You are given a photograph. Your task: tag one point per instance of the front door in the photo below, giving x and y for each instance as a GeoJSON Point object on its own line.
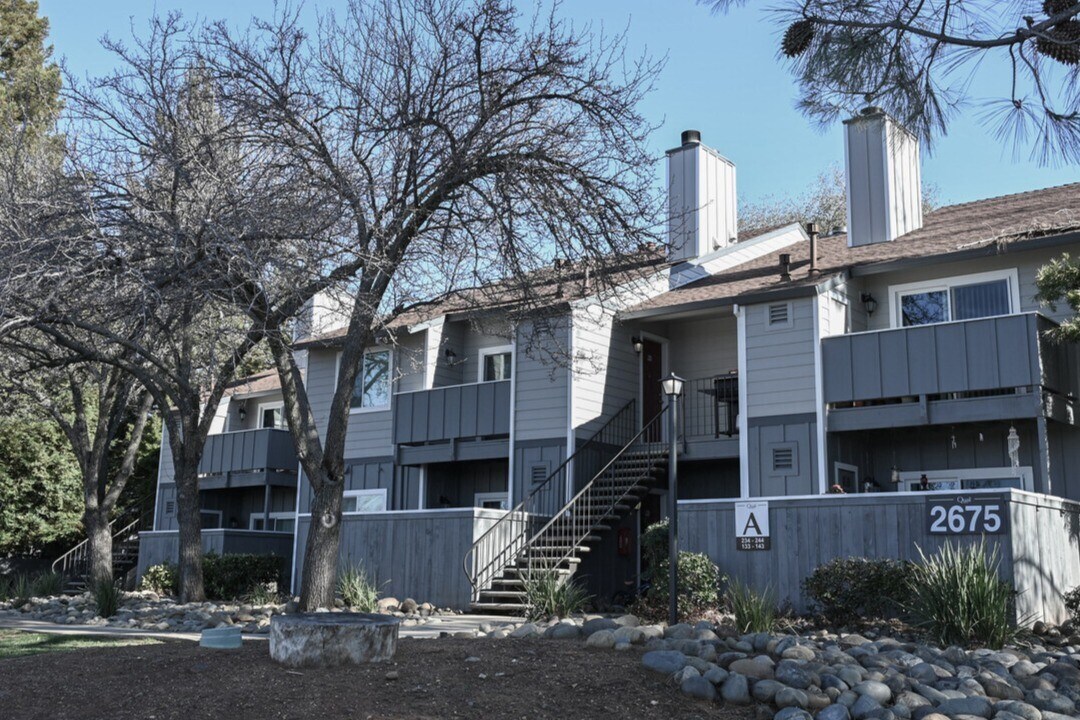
{"type": "Point", "coordinates": [651, 393]}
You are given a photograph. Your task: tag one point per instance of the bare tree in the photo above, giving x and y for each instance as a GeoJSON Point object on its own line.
{"type": "Point", "coordinates": [464, 146]}
{"type": "Point", "coordinates": [99, 408]}
{"type": "Point", "coordinates": [916, 59]}
{"type": "Point", "coordinates": [111, 266]}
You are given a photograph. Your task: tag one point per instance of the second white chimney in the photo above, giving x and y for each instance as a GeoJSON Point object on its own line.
{"type": "Point", "coordinates": [701, 199]}
{"type": "Point", "coordinates": [884, 179]}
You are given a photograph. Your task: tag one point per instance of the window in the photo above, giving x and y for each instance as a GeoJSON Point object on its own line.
{"type": "Point", "coordinates": [364, 501]}
{"type": "Point", "coordinates": [777, 315]}
{"type": "Point", "coordinates": [272, 415]}
{"type": "Point", "coordinates": [496, 363]}
{"type": "Point", "coordinates": [960, 298]}
{"type": "Point", "coordinates": [279, 522]}
{"type": "Point", "coordinates": [372, 388]}
{"type": "Point", "coordinates": [492, 501]}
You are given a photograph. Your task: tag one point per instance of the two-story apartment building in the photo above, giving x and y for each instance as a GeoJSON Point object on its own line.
{"type": "Point", "coordinates": [900, 359]}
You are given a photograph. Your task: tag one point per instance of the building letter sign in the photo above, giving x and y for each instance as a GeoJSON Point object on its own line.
{"type": "Point", "coordinates": [752, 525]}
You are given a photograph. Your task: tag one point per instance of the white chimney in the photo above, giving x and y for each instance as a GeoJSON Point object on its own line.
{"type": "Point", "coordinates": [701, 199]}
{"type": "Point", "coordinates": [884, 183]}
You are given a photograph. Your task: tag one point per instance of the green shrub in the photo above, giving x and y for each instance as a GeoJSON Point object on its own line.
{"type": "Point", "coordinates": [755, 612]}
{"type": "Point", "coordinates": [107, 597]}
{"type": "Point", "coordinates": [358, 590]}
{"type": "Point", "coordinates": [1072, 603]}
{"type": "Point", "coordinates": [846, 589]}
{"type": "Point", "coordinates": [161, 579]}
{"type": "Point", "coordinates": [548, 594]}
{"type": "Point", "coordinates": [698, 582]}
{"type": "Point", "coordinates": [958, 597]}
{"type": "Point", "coordinates": [227, 577]}
{"type": "Point", "coordinates": [48, 583]}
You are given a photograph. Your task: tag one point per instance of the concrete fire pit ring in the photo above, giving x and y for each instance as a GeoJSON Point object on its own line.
{"type": "Point", "coordinates": [328, 639]}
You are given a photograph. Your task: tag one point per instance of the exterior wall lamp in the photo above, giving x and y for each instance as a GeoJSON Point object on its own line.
{"type": "Point", "coordinates": [638, 344]}
{"type": "Point", "coordinates": [869, 303]}
{"type": "Point", "coordinates": [450, 356]}
{"type": "Point", "coordinates": [672, 386]}
{"type": "Point", "coordinates": [242, 412]}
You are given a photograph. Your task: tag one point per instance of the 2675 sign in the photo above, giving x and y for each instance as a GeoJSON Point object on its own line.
{"type": "Point", "coordinates": [967, 515]}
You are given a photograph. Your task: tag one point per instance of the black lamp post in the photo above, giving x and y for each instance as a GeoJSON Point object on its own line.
{"type": "Point", "coordinates": [673, 388]}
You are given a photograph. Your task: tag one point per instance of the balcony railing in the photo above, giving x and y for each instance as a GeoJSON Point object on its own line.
{"type": "Point", "coordinates": [248, 457]}
{"type": "Point", "coordinates": [450, 413]}
{"type": "Point", "coordinates": [710, 407]}
{"type": "Point", "coordinates": [1009, 354]}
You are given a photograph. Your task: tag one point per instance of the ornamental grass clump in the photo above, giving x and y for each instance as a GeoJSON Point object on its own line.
{"type": "Point", "coordinates": [358, 590]}
{"type": "Point", "coordinates": [957, 596]}
{"type": "Point", "coordinates": [547, 595]}
{"type": "Point", "coordinates": [107, 596]}
{"type": "Point", "coordinates": [48, 583]}
{"type": "Point", "coordinates": [755, 612]}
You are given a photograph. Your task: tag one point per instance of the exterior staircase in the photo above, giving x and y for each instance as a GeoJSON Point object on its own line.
{"type": "Point", "coordinates": [74, 565]}
{"type": "Point", "coordinates": [623, 466]}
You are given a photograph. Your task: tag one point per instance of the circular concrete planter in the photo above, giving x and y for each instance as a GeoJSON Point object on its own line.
{"type": "Point", "coordinates": [327, 639]}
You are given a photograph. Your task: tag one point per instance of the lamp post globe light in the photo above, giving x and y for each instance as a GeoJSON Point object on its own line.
{"type": "Point", "coordinates": [672, 386]}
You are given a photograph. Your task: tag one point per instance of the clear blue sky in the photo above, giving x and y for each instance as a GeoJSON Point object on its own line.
{"type": "Point", "coordinates": [722, 78]}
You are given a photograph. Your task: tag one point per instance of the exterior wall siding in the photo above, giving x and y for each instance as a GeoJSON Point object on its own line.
{"type": "Point", "coordinates": [796, 433]}
{"type": "Point", "coordinates": [540, 386]}
{"type": "Point", "coordinates": [780, 361]}
{"type": "Point", "coordinates": [606, 368]}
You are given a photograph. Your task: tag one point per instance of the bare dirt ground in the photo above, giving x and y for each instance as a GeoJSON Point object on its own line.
{"type": "Point", "coordinates": [180, 681]}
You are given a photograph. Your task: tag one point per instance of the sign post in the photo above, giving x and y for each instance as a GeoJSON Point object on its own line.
{"type": "Point", "coordinates": [752, 526]}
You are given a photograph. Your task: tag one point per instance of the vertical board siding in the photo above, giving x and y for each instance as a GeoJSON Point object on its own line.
{"type": "Point", "coordinates": [1040, 555]}
{"type": "Point", "coordinates": [984, 354]}
{"type": "Point", "coordinates": [780, 361]}
{"type": "Point", "coordinates": [417, 554]}
{"type": "Point", "coordinates": [248, 450]}
{"type": "Point", "coordinates": [156, 548]}
{"type": "Point", "coordinates": [463, 411]}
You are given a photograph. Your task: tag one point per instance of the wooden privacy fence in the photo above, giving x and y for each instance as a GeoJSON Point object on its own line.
{"type": "Point", "coordinates": [1039, 541]}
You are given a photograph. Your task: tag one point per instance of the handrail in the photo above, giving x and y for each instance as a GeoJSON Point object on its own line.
{"type": "Point", "coordinates": [501, 544]}
{"type": "Point", "coordinates": [567, 517]}
{"type": "Point", "coordinates": [78, 557]}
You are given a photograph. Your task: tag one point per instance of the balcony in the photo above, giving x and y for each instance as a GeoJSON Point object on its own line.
{"type": "Point", "coordinates": [442, 416]}
{"type": "Point", "coordinates": [248, 458]}
{"type": "Point", "coordinates": [709, 417]}
{"type": "Point", "coordinates": [965, 371]}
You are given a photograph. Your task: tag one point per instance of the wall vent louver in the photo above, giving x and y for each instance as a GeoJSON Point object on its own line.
{"type": "Point", "coordinates": [783, 458]}
{"type": "Point", "coordinates": [778, 314]}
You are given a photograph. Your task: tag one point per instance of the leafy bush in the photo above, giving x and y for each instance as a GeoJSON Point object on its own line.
{"type": "Point", "coordinates": [698, 582]}
{"type": "Point", "coordinates": [547, 594]}
{"type": "Point", "coordinates": [107, 597]}
{"type": "Point", "coordinates": [849, 588]}
{"type": "Point", "coordinates": [161, 579]}
{"type": "Point", "coordinates": [1072, 603]}
{"type": "Point", "coordinates": [358, 590]}
{"type": "Point", "coordinates": [754, 611]}
{"type": "Point", "coordinates": [227, 577]}
{"type": "Point", "coordinates": [959, 598]}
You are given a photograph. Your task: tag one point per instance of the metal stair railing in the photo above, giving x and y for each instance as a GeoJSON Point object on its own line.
{"type": "Point", "coordinates": [501, 545]}
{"type": "Point", "coordinates": [75, 563]}
{"type": "Point", "coordinates": [598, 499]}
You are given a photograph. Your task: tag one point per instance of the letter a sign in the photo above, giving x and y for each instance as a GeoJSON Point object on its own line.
{"type": "Point", "coordinates": [752, 525]}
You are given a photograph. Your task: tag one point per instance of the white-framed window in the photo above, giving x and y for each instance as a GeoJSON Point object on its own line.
{"type": "Point", "coordinates": [492, 500]}
{"type": "Point", "coordinates": [496, 363]}
{"type": "Point", "coordinates": [371, 391]}
{"type": "Point", "coordinates": [210, 519]}
{"type": "Point", "coordinates": [778, 315]}
{"type": "Point", "coordinates": [279, 522]}
{"type": "Point", "coordinates": [272, 415]}
{"type": "Point", "coordinates": [963, 297]}
{"type": "Point", "coordinates": [364, 501]}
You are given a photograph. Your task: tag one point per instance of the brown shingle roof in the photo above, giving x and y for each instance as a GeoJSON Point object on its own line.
{"type": "Point", "coordinates": [984, 224]}
{"type": "Point", "coordinates": [255, 384]}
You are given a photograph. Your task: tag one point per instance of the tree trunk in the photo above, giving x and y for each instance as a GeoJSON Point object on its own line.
{"type": "Point", "coordinates": [190, 522]}
{"type": "Point", "coordinates": [99, 542]}
{"type": "Point", "coordinates": [321, 553]}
